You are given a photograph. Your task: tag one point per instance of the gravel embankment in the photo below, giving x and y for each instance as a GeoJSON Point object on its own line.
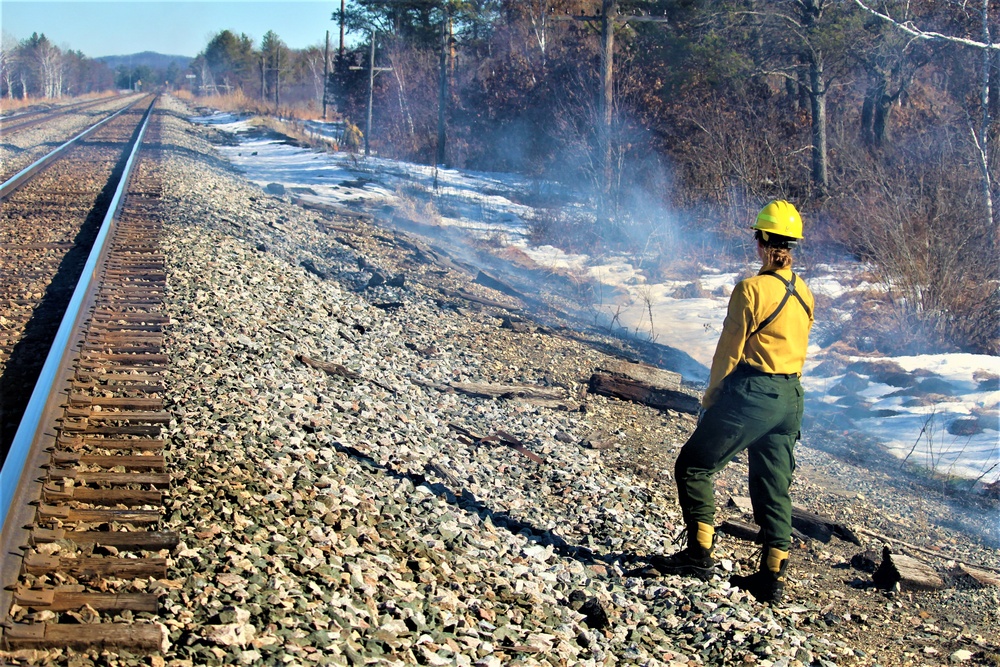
{"type": "Point", "coordinates": [340, 518]}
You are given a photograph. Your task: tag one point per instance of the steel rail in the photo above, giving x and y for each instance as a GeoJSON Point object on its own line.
{"type": "Point", "coordinates": [22, 177]}
{"type": "Point", "coordinates": [25, 119]}
{"type": "Point", "coordinates": [44, 399]}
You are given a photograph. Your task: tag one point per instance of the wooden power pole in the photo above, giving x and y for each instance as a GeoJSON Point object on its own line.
{"type": "Point", "coordinates": [371, 85]}
{"type": "Point", "coordinates": [609, 18]}
{"type": "Point", "coordinates": [343, 7]}
{"type": "Point", "coordinates": [443, 87]}
{"type": "Point", "coordinates": [326, 71]}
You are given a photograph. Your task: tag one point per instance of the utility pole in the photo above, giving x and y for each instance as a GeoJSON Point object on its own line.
{"type": "Point", "coordinates": [326, 70]}
{"type": "Point", "coordinates": [343, 7]}
{"type": "Point", "coordinates": [446, 28]}
{"type": "Point", "coordinates": [443, 88]}
{"type": "Point", "coordinates": [371, 85]}
{"type": "Point", "coordinates": [609, 18]}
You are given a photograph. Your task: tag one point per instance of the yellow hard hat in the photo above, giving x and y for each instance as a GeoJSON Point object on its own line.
{"type": "Point", "coordinates": [780, 217]}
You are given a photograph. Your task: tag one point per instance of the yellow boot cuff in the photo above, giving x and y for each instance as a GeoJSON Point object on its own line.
{"type": "Point", "coordinates": [704, 534]}
{"type": "Point", "coordinates": [774, 559]}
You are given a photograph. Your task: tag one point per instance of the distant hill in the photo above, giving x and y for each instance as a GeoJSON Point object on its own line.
{"type": "Point", "coordinates": [148, 58]}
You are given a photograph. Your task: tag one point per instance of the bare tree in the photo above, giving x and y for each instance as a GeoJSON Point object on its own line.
{"type": "Point", "coordinates": [980, 134]}
{"type": "Point", "coordinates": [314, 60]}
{"type": "Point", "coordinates": [8, 62]}
{"type": "Point", "coordinates": [49, 62]}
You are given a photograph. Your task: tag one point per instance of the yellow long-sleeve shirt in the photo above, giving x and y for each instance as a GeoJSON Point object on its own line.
{"type": "Point", "coordinates": [780, 347]}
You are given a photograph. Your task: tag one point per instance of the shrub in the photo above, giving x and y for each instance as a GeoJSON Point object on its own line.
{"type": "Point", "coordinates": [917, 214]}
{"type": "Point", "coordinates": [562, 230]}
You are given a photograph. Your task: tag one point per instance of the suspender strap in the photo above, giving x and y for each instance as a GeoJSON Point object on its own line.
{"type": "Point", "coordinates": [789, 292]}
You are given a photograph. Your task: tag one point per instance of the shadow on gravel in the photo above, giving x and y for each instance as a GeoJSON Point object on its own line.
{"type": "Point", "coordinates": [959, 509]}
{"type": "Point", "coordinates": [469, 503]}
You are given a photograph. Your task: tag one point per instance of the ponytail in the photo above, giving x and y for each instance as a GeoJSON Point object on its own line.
{"type": "Point", "coordinates": [779, 258]}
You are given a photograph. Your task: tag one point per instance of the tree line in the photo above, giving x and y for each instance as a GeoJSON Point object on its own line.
{"type": "Point", "coordinates": [36, 68]}
{"type": "Point", "coordinates": [877, 118]}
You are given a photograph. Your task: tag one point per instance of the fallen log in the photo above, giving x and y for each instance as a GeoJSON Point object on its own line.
{"type": "Point", "coordinates": [807, 524]}
{"type": "Point", "coordinates": [528, 391]}
{"type": "Point", "coordinates": [662, 398]}
{"type": "Point", "coordinates": [750, 532]}
{"type": "Point", "coordinates": [740, 530]}
{"type": "Point", "coordinates": [651, 375]}
{"type": "Point", "coordinates": [821, 528]}
{"type": "Point", "coordinates": [909, 573]}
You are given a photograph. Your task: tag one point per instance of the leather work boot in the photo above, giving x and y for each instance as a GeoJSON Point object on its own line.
{"type": "Point", "coordinates": [767, 584]}
{"type": "Point", "coordinates": [696, 560]}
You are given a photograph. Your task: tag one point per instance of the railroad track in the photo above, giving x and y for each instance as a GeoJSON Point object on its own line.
{"type": "Point", "coordinates": [28, 136]}
{"type": "Point", "coordinates": [50, 216]}
{"type": "Point", "coordinates": [20, 121]}
{"type": "Point", "coordinates": [80, 539]}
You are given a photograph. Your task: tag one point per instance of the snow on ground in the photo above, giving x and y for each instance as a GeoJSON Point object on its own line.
{"type": "Point", "coordinates": [945, 417]}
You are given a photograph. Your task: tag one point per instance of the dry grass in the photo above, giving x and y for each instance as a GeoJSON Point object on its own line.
{"type": "Point", "coordinates": [239, 102]}
{"type": "Point", "coordinates": [413, 207]}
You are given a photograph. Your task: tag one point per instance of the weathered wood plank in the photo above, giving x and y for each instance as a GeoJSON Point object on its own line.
{"type": "Point", "coordinates": [139, 540]}
{"type": "Point", "coordinates": [468, 296]}
{"type": "Point", "coordinates": [127, 461]}
{"type": "Point", "coordinates": [327, 367]}
{"type": "Point", "coordinates": [981, 577]}
{"type": "Point", "coordinates": [117, 496]}
{"type": "Point", "coordinates": [132, 568]}
{"type": "Point", "coordinates": [71, 514]}
{"type": "Point", "coordinates": [909, 573]}
{"type": "Point", "coordinates": [651, 375]}
{"type": "Point", "coordinates": [55, 600]}
{"type": "Point", "coordinates": [117, 402]}
{"type": "Point", "coordinates": [530, 391]}
{"type": "Point", "coordinates": [136, 637]}
{"type": "Point", "coordinates": [112, 478]}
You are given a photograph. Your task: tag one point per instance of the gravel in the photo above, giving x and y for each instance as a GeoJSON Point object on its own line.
{"type": "Point", "coordinates": [341, 518]}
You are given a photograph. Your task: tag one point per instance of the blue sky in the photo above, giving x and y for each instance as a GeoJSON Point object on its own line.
{"type": "Point", "coordinates": [173, 28]}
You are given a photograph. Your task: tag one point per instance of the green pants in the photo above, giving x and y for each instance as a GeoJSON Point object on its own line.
{"type": "Point", "coordinates": [761, 414]}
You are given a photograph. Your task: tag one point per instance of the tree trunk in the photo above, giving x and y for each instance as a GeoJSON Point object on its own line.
{"type": "Point", "coordinates": [984, 131]}
{"type": "Point", "coordinates": [608, 11]}
{"type": "Point", "coordinates": [817, 99]}
{"type": "Point", "coordinates": [880, 127]}
{"type": "Point", "coordinates": [868, 116]}
{"type": "Point", "coordinates": [443, 92]}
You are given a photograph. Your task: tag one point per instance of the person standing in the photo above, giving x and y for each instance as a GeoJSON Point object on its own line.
{"type": "Point", "coordinates": [754, 402]}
